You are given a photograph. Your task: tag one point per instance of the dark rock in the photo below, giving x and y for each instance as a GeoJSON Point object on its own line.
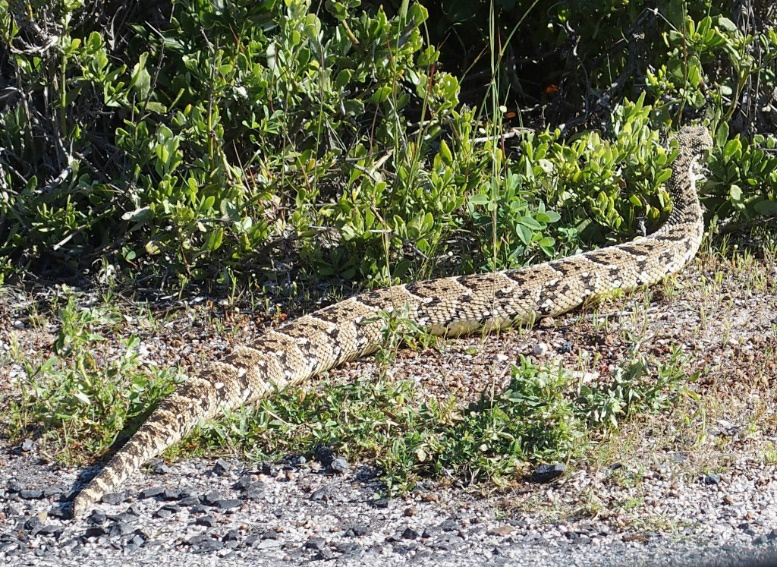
{"type": "Point", "coordinates": [198, 509]}
{"type": "Point", "coordinates": [189, 501]}
{"type": "Point", "coordinates": [120, 529]}
{"type": "Point", "coordinates": [267, 468]}
{"type": "Point", "coordinates": [206, 521]}
{"type": "Point", "coordinates": [381, 503]}
{"type": "Point", "coordinates": [49, 530]}
{"type": "Point", "coordinates": [403, 548]}
{"type": "Point", "coordinates": [547, 473]}
{"type": "Point", "coordinates": [324, 455]}
{"type": "Point", "coordinates": [151, 492]}
{"type": "Point", "coordinates": [349, 548]}
{"type": "Point", "coordinates": [772, 534]}
{"type": "Point", "coordinates": [171, 494]}
{"type": "Point", "coordinates": [449, 525]}
{"type": "Point", "coordinates": [136, 541]}
{"type": "Point", "coordinates": [316, 543]}
{"type": "Point", "coordinates": [338, 465]}
{"type": "Point", "coordinates": [410, 533]}
{"type": "Point", "coordinates": [565, 347]}
{"type": "Point", "coordinates": [227, 504]}
{"type": "Point", "coordinates": [57, 512]}
{"type": "Point", "coordinates": [270, 534]}
{"type": "Point", "coordinates": [95, 531]}
{"type": "Point", "coordinates": [33, 494]}
{"type": "Point", "coordinates": [205, 542]}
{"type": "Point", "coordinates": [357, 530]}
{"type": "Point", "coordinates": [231, 535]}
{"type": "Point", "coordinates": [31, 523]}
{"type": "Point", "coordinates": [221, 467]}
{"type": "Point", "coordinates": [160, 468]}
{"type": "Point", "coordinates": [616, 466]}
{"type": "Point", "coordinates": [114, 498]}
{"type": "Point", "coordinates": [758, 540]}
{"type": "Point", "coordinates": [96, 518]}
{"type": "Point", "coordinates": [13, 485]}
{"type": "Point", "coordinates": [251, 540]}
{"type": "Point", "coordinates": [243, 482]}
{"type": "Point", "coordinates": [167, 510]}
{"type": "Point", "coordinates": [53, 490]}
{"type": "Point", "coordinates": [323, 493]}
{"type": "Point", "coordinates": [134, 510]}
{"type": "Point", "coordinates": [711, 479]}
{"type": "Point", "coordinates": [324, 555]}
{"type": "Point", "coordinates": [211, 497]}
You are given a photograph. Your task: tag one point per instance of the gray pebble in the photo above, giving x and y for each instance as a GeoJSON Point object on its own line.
{"type": "Point", "coordinates": [338, 465]}
{"type": "Point", "coordinates": [96, 518]}
{"type": "Point", "coordinates": [227, 504]}
{"type": "Point", "coordinates": [31, 494]}
{"type": "Point", "coordinates": [114, 498]}
{"type": "Point", "coordinates": [221, 467]}
{"type": "Point", "coordinates": [151, 492]}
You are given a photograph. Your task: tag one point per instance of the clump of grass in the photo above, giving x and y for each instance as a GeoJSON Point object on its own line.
{"type": "Point", "coordinates": [76, 402]}
{"type": "Point", "coordinates": [545, 414]}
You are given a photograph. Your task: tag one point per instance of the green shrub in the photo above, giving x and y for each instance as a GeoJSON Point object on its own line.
{"type": "Point", "coordinates": [204, 144]}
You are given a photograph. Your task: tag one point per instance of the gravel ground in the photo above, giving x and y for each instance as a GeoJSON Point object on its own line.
{"type": "Point", "coordinates": [666, 495]}
{"type": "Point", "coordinates": [206, 512]}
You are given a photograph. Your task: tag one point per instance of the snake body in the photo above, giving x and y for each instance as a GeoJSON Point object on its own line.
{"type": "Point", "coordinates": [351, 328]}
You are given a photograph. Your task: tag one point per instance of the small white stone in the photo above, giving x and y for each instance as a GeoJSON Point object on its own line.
{"type": "Point", "coordinates": [18, 324]}
{"type": "Point", "coordinates": [540, 349]}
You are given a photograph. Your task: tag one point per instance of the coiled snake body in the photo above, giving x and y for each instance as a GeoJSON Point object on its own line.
{"type": "Point", "coordinates": [454, 305]}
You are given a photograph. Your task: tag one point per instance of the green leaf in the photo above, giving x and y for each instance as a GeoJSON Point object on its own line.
{"type": "Point", "coordinates": [381, 94]}
{"type": "Point", "coordinates": [445, 153]}
{"type": "Point", "coordinates": [731, 148]}
{"type": "Point", "coordinates": [665, 174]}
{"type": "Point", "coordinates": [141, 79]}
{"type": "Point", "coordinates": [721, 135]}
{"type": "Point", "coordinates": [529, 222]}
{"type": "Point", "coordinates": [343, 78]}
{"type": "Point", "coordinates": [417, 14]}
{"type": "Point", "coordinates": [765, 207]}
{"type": "Point", "coordinates": [524, 234]}
{"type": "Point", "coordinates": [726, 24]}
{"type": "Point", "coordinates": [214, 239]}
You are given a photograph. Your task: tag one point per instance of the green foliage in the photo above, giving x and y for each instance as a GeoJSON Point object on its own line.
{"type": "Point", "coordinates": [204, 146]}
{"type": "Point", "coordinates": [544, 414]}
{"type": "Point", "coordinates": [77, 401]}
{"type": "Point", "coordinates": [744, 176]}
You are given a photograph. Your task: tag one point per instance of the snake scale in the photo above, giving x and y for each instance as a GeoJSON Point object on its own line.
{"type": "Point", "coordinates": [349, 329]}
